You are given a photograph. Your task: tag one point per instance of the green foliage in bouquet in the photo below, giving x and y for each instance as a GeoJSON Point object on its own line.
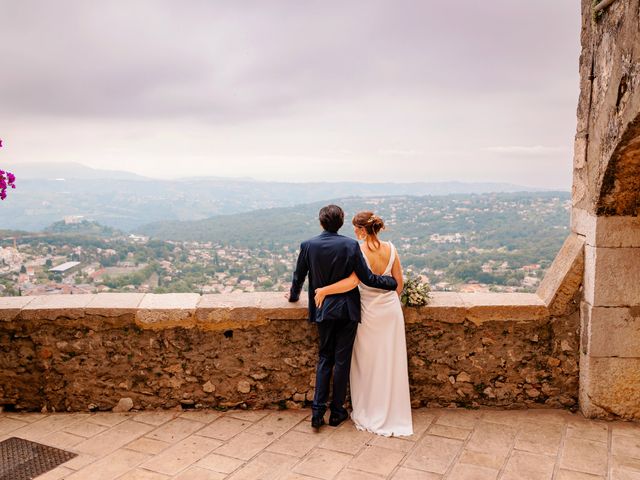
{"type": "Point", "coordinates": [415, 292]}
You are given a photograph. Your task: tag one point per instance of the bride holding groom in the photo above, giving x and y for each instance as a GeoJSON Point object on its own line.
{"type": "Point", "coordinates": [354, 300]}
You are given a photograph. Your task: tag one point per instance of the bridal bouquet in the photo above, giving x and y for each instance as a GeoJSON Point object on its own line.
{"type": "Point", "coordinates": [415, 293]}
{"type": "Point", "coordinates": [6, 180]}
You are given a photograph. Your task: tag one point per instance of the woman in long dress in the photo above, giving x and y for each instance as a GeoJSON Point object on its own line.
{"type": "Point", "coordinates": [379, 375]}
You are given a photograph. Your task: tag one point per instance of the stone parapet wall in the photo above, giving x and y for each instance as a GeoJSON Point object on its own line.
{"type": "Point", "coordinates": [86, 352]}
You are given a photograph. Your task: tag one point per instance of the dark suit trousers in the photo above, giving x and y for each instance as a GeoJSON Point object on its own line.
{"type": "Point", "coordinates": [336, 344]}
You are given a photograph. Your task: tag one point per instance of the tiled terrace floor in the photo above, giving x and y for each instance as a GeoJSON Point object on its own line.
{"type": "Point", "coordinates": [266, 444]}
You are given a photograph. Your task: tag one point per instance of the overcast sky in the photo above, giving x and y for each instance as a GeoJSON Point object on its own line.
{"type": "Point", "coordinates": [300, 90]}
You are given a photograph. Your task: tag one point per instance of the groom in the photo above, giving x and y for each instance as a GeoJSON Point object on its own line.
{"type": "Point", "coordinates": [328, 258]}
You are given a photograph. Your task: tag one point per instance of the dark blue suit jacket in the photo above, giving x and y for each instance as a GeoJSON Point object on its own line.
{"type": "Point", "coordinates": [328, 258]}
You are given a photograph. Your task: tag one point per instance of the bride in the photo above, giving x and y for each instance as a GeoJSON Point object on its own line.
{"type": "Point", "coordinates": [379, 376]}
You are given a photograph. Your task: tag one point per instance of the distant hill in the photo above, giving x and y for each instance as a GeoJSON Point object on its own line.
{"type": "Point", "coordinates": [83, 227]}
{"type": "Point", "coordinates": [496, 217]}
{"type": "Point", "coordinates": [123, 200]}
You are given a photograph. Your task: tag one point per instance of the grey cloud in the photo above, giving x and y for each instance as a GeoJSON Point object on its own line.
{"type": "Point", "coordinates": [235, 61]}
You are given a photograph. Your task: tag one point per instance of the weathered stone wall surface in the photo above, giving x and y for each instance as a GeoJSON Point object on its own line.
{"type": "Point", "coordinates": [606, 200]}
{"type": "Point", "coordinates": [80, 352]}
{"type": "Point", "coordinates": [607, 145]}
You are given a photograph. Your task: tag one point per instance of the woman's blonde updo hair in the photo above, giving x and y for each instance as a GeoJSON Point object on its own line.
{"type": "Point", "coordinates": [372, 224]}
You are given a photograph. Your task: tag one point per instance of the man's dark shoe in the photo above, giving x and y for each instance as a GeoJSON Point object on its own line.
{"type": "Point", "coordinates": [317, 421]}
{"type": "Point", "coordinates": [337, 418]}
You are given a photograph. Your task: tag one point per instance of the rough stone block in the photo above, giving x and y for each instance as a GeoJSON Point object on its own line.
{"type": "Point", "coordinates": [563, 279]}
{"type": "Point", "coordinates": [114, 304]}
{"type": "Point", "coordinates": [448, 307]}
{"type": "Point", "coordinates": [612, 276]}
{"type": "Point", "coordinates": [612, 331]}
{"type": "Point", "coordinates": [485, 307]}
{"type": "Point", "coordinates": [224, 312]}
{"type": "Point", "coordinates": [610, 387]}
{"type": "Point", "coordinates": [582, 222]}
{"type": "Point", "coordinates": [157, 311]}
{"type": "Point", "coordinates": [10, 307]}
{"type": "Point", "coordinates": [51, 307]}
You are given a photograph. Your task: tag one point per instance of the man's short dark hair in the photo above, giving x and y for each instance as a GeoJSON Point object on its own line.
{"type": "Point", "coordinates": [331, 218]}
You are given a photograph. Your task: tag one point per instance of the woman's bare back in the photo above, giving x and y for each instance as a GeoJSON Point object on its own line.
{"type": "Point", "coordinates": [379, 258]}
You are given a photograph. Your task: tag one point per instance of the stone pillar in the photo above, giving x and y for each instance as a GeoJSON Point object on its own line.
{"type": "Point", "coordinates": [606, 205]}
{"type": "Point", "coordinates": [610, 316]}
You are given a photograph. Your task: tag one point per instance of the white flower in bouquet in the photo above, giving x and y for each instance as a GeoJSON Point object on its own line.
{"type": "Point", "coordinates": [415, 292]}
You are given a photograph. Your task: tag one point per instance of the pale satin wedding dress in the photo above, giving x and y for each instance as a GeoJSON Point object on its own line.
{"type": "Point", "coordinates": [379, 375]}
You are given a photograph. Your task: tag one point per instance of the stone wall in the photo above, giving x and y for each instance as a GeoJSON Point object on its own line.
{"type": "Point", "coordinates": [606, 199]}
{"type": "Point", "coordinates": [86, 352]}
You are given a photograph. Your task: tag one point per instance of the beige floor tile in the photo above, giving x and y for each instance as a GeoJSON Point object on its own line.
{"type": "Point", "coordinates": [266, 466]}
{"type": "Point", "coordinates": [81, 461]}
{"type": "Point", "coordinates": [62, 440]}
{"type": "Point", "coordinates": [109, 419]}
{"type": "Point", "coordinates": [494, 438]}
{"type": "Point", "coordinates": [433, 454]}
{"type": "Point", "coordinates": [155, 418]}
{"type": "Point", "coordinates": [202, 416]}
{"type": "Point", "coordinates": [147, 445]}
{"type": "Point", "coordinates": [112, 439]}
{"type": "Point", "coordinates": [584, 456]}
{"type": "Point", "coordinates": [625, 463]}
{"type": "Point", "coordinates": [462, 471]}
{"type": "Point", "coordinates": [52, 423]}
{"type": "Point", "coordinates": [409, 474]}
{"type": "Point", "coordinates": [449, 431]}
{"type": "Point", "coordinates": [459, 418]}
{"type": "Point", "coordinates": [248, 415]}
{"type": "Point", "coordinates": [347, 439]}
{"type": "Point", "coordinates": [296, 476]}
{"type": "Point", "coordinates": [539, 437]}
{"type": "Point", "coordinates": [394, 443]}
{"type": "Point", "coordinates": [57, 473]}
{"type": "Point", "coordinates": [421, 421]}
{"type": "Point", "coordinates": [546, 415]}
{"type": "Point", "coordinates": [481, 459]}
{"type": "Point", "coordinates": [24, 417]}
{"type": "Point", "coordinates": [626, 428]}
{"type": "Point", "coordinates": [276, 423]}
{"type": "Point", "coordinates": [175, 430]}
{"type": "Point", "coordinates": [140, 474]}
{"type": "Point", "coordinates": [571, 475]}
{"type": "Point", "coordinates": [85, 429]}
{"type": "Point", "coordinates": [598, 432]}
{"type": "Point", "coordinates": [511, 418]}
{"type": "Point", "coordinates": [528, 466]}
{"type": "Point", "coordinates": [324, 464]}
{"type": "Point", "coordinates": [377, 460]}
{"type": "Point", "coordinates": [625, 475]}
{"type": "Point", "coordinates": [111, 466]}
{"type": "Point", "coordinates": [8, 425]}
{"type": "Point", "coordinates": [224, 428]}
{"type": "Point", "coordinates": [244, 445]}
{"type": "Point", "coordinates": [348, 474]}
{"type": "Point", "coordinates": [196, 473]}
{"type": "Point", "coordinates": [294, 443]}
{"type": "Point", "coordinates": [220, 463]}
{"type": "Point", "coordinates": [181, 455]}
{"type": "Point", "coordinates": [625, 446]}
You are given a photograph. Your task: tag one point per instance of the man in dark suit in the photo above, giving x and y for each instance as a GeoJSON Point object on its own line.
{"type": "Point", "coordinates": [328, 258]}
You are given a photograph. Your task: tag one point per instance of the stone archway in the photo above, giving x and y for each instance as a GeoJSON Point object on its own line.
{"type": "Point", "coordinates": [620, 192]}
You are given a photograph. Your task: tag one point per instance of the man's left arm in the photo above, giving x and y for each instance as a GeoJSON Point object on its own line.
{"type": "Point", "coordinates": [300, 273]}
